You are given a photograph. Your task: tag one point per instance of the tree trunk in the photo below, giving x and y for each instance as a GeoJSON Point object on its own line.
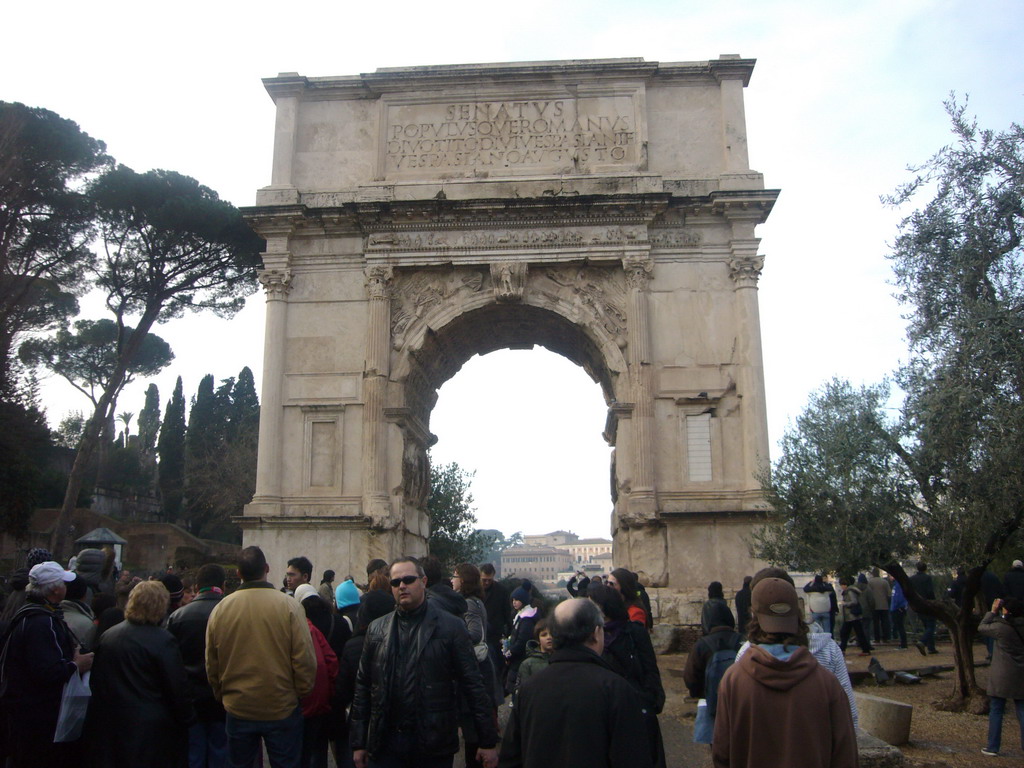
{"type": "Point", "coordinates": [966, 695]}
{"type": "Point", "coordinates": [91, 436]}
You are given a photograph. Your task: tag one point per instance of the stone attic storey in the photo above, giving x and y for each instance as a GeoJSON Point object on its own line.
{"type": "Point", "coordinates": [604, 209]}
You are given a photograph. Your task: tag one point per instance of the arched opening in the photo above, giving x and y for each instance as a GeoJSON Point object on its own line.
{"type": "Point", "coordinates": [448, 340]}
{"type": "Point", "coordinates": [529, 424]}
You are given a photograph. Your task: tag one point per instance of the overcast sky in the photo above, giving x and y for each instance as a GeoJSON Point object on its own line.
{"type": "Point", "coordinates": [843, 98]}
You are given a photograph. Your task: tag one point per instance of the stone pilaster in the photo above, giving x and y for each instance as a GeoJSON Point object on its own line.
{"type": "Point", "coordinates": [642, 504]}
{"type": "Point", "coordinates": [745, 267]}
{"type": "Point", "coordinates": [733, 74]}
{"type": "Point", "coordinates": [276, 284]}
{"type": "Point", "coordinates": [376, 500]}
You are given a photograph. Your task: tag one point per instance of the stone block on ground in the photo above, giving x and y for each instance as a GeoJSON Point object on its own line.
{"type": "Point", "coordinates": [665, 638]}
{"type": "Point", "coordinates": [885, 719]}
{"type": "Point", "coordinates": [872, 752]}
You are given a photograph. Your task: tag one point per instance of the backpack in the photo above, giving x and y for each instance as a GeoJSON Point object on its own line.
{"type": "Point", "coordinates": [819, 602]}
{"type": "Point", "coordinates": [717, 664]}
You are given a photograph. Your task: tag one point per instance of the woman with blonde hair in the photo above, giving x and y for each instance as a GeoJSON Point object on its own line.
{"type": "Point", "coordinates": [138, 673]}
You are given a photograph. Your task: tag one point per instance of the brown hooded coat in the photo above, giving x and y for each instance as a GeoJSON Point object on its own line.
{"type": "Point", "coordinates": [789, 713]}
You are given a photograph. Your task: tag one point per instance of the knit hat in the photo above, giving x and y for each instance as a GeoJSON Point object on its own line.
{"type": "Point", "coordinates": [346, 594]}
{"type": "Point", "coordinates": [19, 579]}
{"type": "Point", "coordinates": [174, 585]}
{"type": "Point", "coordinates": [48, 573]}
{"type": "Point", "coordinates": [303, 591]}
{"type": "Point", "coordinates": [37, 555]}
{"type": "Point", "coordinates": [1018, 564]}
{"type": "Point", "coordinates": [89, 564]}
{"type": "Point", "coordinates": [522, 592]}
{"type": "Point", "coordinates": [775, 604]}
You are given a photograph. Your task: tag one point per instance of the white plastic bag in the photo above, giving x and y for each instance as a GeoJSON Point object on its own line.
{"type": "Point", "coordinates": [74, 703]}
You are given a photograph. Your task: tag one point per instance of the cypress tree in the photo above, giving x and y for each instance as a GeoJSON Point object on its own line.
{"type": "Point", "coordinates": [171, 448]}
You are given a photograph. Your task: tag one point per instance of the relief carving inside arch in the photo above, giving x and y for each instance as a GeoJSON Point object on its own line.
{"type": "Point", "coordinates": [594, 294]}
{"type": "Point", "coordinates": [588, 295]}
{"type": "Point", "coordinates": [415, 294]}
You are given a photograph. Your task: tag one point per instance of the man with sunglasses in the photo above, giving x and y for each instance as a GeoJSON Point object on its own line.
{"type": "Point", "coordinates": [416, 662]}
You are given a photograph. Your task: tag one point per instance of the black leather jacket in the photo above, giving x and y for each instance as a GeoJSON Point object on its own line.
{"type": "Point", "coordinates": [445, 664]}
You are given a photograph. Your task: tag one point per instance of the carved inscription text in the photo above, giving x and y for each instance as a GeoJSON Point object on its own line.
{"type": "Point", "coordinates": [530, 135]}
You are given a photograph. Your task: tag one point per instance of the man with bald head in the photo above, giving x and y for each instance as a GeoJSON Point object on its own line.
{"type": "Point", "coordinates": [612, 733]}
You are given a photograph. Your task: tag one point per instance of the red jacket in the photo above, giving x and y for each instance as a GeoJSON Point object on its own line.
{"type": "Point", "coordinates": [318, 702]}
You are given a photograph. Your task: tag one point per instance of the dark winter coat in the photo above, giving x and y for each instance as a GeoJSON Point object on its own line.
{"type": "Point", "coordinates": [720, 639]}
{"type": "Point", "coordinates": [1006, 675]}
{"type": "Point", "coordinates": [188, 625]}
{"type": "Point", "coordinates": [611, 733]}
{"type": "Point", "coordinates": [443, 665]}
{"type": "Point", "coordinates": [991, 587]}
{"type": "Point", "coordinates": [1014, 583]}
{"type": "Point", "coordinates": [535, 661]}
{"type": "Point", "coordinates": [628, 651]}
{"type": "Point", "coordinates": [743, 608]}
{"type": "Point", "coordinates": [713, 614]}
{"type": "Point", "coordinates": [789, 713]}
{"type": "Point", "coordinates": [35, 663]}
{"type": "Point", "coordinates": [498, 603]}
{"type": "Point", "coordinates": [923, 585]}
{"type": "Point", "coordinates": [140, 709]}
{"type": "Point", "coordinates": [522, 633]}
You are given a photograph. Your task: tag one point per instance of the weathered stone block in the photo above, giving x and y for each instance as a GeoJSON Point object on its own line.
{"type": "Point", "coordinates": [665, 639]}
{"type": "Point", "coordinates": [884, 718]}
{"type": "Point", "coordinates": [875, 753]}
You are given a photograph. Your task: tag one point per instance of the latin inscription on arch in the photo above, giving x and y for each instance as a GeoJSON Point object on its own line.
{"type": "Point", "coordinates": [515, 136]}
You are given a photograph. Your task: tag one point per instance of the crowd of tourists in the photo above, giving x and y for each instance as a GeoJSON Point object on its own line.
{"type": "Point", "coordinates": [100, 668]}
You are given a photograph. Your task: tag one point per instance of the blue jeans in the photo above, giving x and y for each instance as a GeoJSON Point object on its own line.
{"type": "Point", "coordinates": [824, 620]}
{"type": "Point", "coordinates": [207, 745]}
{"type": "Point", "coordinates": [898, 627]}
{"type": "Point", "coordinates": [282, 737]}
{"type": "Point", "coordinates": [996, 707]}
{"type": "Point", "coordinates": [928, 636]}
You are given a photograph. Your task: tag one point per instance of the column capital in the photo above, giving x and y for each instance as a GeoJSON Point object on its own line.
{"type": "Point", "coordinates": [378, 280]}
{"type": "Point", "coordinates": [276, 282]}
{"type": "Point", "coordinates": [638, 271]}
{"type": "Point", "coordinates": [746, 270]}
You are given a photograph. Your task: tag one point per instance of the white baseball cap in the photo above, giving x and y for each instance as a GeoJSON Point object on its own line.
{"type": "Point", "coordinates": [49, 573]}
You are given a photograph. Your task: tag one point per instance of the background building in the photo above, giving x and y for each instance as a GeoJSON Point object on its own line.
{"type": "Point", "coordinates": [539, 564]}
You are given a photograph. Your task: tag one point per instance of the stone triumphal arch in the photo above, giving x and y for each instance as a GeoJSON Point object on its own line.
{"type": "Point", "coordinates": [603, 209]}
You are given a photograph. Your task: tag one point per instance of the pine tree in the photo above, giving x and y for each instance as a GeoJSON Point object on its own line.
{"type": "Point", "coordinates": [149, 420]}
{"type": "Point", "coordinates": [171, 447]}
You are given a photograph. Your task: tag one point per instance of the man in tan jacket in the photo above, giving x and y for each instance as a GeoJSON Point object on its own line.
{"type": "Point", "coordinates": [260, 662]}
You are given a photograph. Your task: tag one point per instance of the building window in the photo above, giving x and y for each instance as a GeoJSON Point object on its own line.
{"type": "Point", "coordinates": [698, 447]}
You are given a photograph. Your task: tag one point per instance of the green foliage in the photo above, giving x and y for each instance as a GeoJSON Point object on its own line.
{"type": "Point", "coordinates": [24, 450]}
{"type": "Point", "coordinates": [499, 543]}
{"type": "Point", "coordinates": [945, 481]}
{"type": "Point", "coordinates": [127, 471]}
{"type": "Point", "coordinates": [69, 431]}
{"type": "Point", "coordinates": [45, 221]}
{"type": "Point", "coordinates": [841, 497]}
{"type": "Point", "coordinates": [171, 449]}
{"type": "Point", "coordinates": [220, 454]}
{"type": "Point", "coordinates": [171, 244]}
{"type": "Point", "coordinates": [149, 420]}
{"type": "Point", "coordinates": [89, 356]}
{"type": "Point", "coordinates": [958, 264]}
{"type": "Point", "coordinates": [450, 506]}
